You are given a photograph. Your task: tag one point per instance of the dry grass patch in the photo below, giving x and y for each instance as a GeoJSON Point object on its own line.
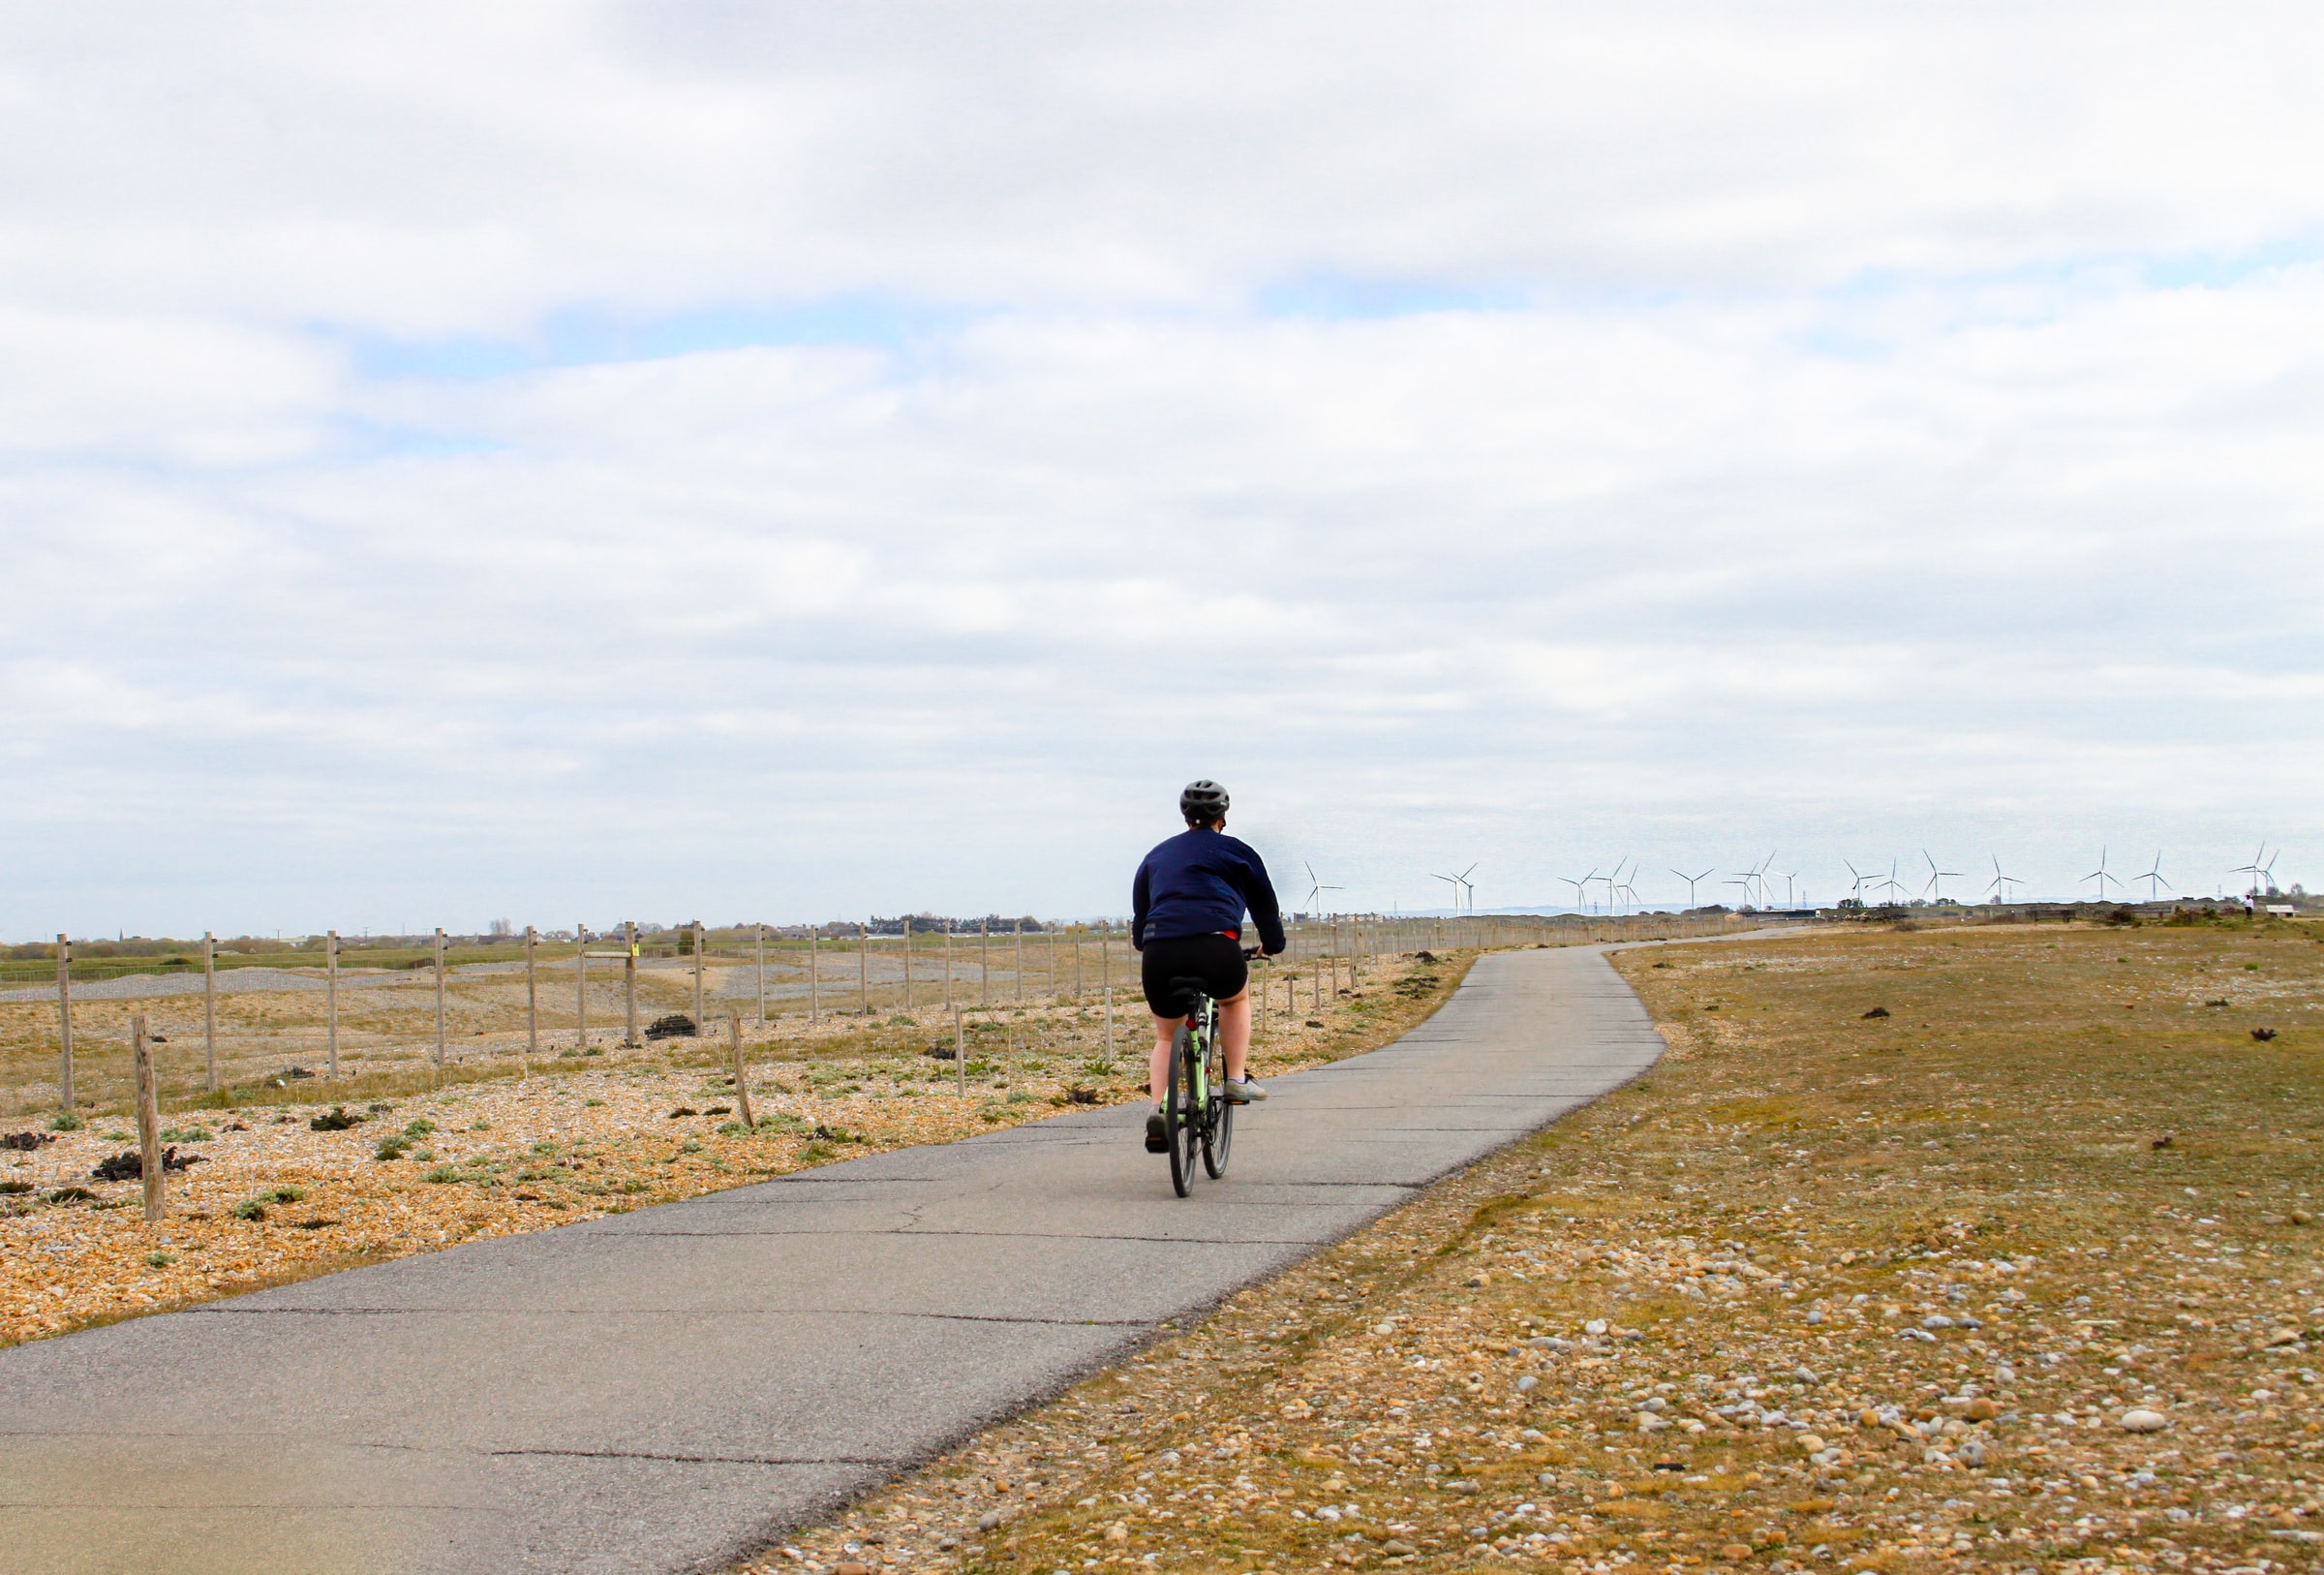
{"type": "Point", "coordinates": [1823, 1291]}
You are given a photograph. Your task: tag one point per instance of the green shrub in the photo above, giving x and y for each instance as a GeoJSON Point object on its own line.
{"type": "Point", "coordinates": [65, 1123]}
{"type": "Point", "coordinates": [334, 1120]}
{"type": "Point", "coordinates": [160, 1260]}
{"type": "Point", "coordinates": [250, 1209]}
{"type": "Point", "coordinates": [442, 1173]}
{"type": "Point", "coordinates": [419, 1129]}
{"type": "Point", "coordinates": [392, 1147]}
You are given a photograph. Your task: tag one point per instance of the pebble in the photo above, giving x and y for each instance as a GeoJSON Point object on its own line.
{"type": "Point", "coordinates": [1815, 1314]}
{"type": "Point", "coordinates": [1936, 1321]}
{"type": "Point", "coordinates": [1810, 1445]}
{"type": "Point", "coordinates": [2142, 1420]}
{"type": "Point", "coordinates": [1594, 1327]}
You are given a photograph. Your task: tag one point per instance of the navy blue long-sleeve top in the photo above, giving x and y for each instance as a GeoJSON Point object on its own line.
{"type": "Point", "coordinates": [1199, 883]}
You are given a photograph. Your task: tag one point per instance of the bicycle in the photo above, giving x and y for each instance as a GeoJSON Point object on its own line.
{"type": "Point", "coordinates": [1196, 1113]}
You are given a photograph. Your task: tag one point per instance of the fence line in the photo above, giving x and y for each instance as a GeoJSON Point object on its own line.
{"type": "Point", "coordinates": [1327, 957]}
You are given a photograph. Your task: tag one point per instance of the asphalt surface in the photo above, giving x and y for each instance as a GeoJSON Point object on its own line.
{"type": "Point", "coordinates": [670, 1389]}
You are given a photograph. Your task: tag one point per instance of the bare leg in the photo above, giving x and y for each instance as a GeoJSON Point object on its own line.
{"type": "Point", "coordinates": [1235, 1032]}
{"type": "Point", "coordinates": [1157, 1071]}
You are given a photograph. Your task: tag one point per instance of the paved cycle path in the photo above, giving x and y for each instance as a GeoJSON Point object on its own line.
{"type": "Point", "coordinates": [665, 1390]}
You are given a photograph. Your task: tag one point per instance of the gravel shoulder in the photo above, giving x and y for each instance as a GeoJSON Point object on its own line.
{"type": "Point", "coordinates": [502, 1148]}
{"type": "Point", "coordinates": [1962, 1248]}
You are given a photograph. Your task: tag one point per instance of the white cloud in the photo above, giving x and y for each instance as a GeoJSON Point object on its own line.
{"type": "Point", "coordinates": [1472, 433]}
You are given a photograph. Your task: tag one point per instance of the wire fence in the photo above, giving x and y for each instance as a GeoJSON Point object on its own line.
{"type": "Point", "coordinates": [230, 1025]}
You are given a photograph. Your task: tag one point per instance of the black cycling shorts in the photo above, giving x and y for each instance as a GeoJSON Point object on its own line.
{"type": "Point", "coordinates": [1214, 959]}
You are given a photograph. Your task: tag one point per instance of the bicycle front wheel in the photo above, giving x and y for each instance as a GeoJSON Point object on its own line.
{"type": "Point", "coordinates": [1181, 1111]}
{"type": "Point", "coordinates": [1218, 1131]}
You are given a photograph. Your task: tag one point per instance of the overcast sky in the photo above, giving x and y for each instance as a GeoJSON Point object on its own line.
{"type": "Point", "coordinates": [572, 461]}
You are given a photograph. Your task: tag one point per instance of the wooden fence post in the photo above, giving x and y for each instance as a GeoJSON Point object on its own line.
{"type": "Point", "coordinates": [209, 1013]}
{"type": "Point", "coordinates": [440, 998]}
{"type": "Point", "coordinates": [863, 968]}
{"type": "Point", "coordinates": [907, 962]}
{"type": "Point", "coordinates": [960, 1053]}
{"type": "Point", "coordinates": [64, 1021]}
{"type": "Point", "coordinates": [330, 1001]}
{"type": "Point", "coordinates": [948, 965]}
{"type": "Point", "coordinates": [699, 1023]}
{"type": "Point", "coordinates": [580, 987]}
{"type": "Point", "coordinates": [629, 1039]}
{"type": "Point", "coordinates": [1077, 968]}
{"type": "Point", "coordinates": [1021, 962]}
{"type": "Point", "coordinates": [815, 974]}
{"type": "Point", "coordinates": [532, 1001]}
{"type": "Point", "coordinates": [984, 964]}
{"type": "Point", "coordinates": [742, 1085]}
{"type": "Point", "coordinates": [762, 972]}
{"type": "Point", "coordinates": [149, 1125]}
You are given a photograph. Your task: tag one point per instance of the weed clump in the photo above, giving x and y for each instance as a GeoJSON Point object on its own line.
{"type": "Point", "coordinates": [334, 1120]}
{"type": "Point", "coordinates": [130, 1165]}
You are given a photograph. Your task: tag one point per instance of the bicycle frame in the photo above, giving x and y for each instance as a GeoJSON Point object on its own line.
{"type": "Point", "coordinates": [1197, 1113]}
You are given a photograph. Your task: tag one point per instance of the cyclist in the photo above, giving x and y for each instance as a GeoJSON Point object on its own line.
{"type": "Point", "coordinates": [1186, 921]}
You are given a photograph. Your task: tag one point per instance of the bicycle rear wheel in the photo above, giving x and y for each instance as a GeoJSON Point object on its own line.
{"type": "Point", "coordinates": [1181, 1115]}
{"type": "Point", "coordinates": [1218, 1131]}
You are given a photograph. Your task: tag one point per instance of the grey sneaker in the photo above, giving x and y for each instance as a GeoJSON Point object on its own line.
{"type": "Point", "coordinates": [1245, 1092]}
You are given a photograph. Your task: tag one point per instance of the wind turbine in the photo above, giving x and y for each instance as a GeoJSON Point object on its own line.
{"type": "Point", "coordinates": [2002, 883]}
{"type": "Point", "coordinates": [1891, 883]}
{"type": "Point", "coordinates": [1630, 892]}
{"type": "Point", "coordinates": [2100, 875]}
{"type": "Point", "coordinates": [1743, 880]}
{"type": "Point", "coordinates": [1937, 878]}
{"type": "Point", "coordinates": [1691, 880]}
{"type": "Point", "coordinates": [2262, 870]}
{"type": "Point", "coordinates": [2153, 877]}
{"type": "Point", "coordinates": [1581, 887]}
{"type": "Point", "coordinates": [1861, 878]}
{"type": "Point", "coordinates": [1317, 888]}
{"type": "Point", "coordinates": [1455, 881]}
{"type": "Point", "coordinates": [1613, 885]}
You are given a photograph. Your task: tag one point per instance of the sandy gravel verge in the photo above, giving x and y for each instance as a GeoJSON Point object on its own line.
{"type": "Point", "coordinates": [268, 1198]}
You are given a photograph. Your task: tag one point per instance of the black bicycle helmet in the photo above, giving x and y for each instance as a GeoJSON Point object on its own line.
{"type": "Point", "coordinates": [1202, 802]}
